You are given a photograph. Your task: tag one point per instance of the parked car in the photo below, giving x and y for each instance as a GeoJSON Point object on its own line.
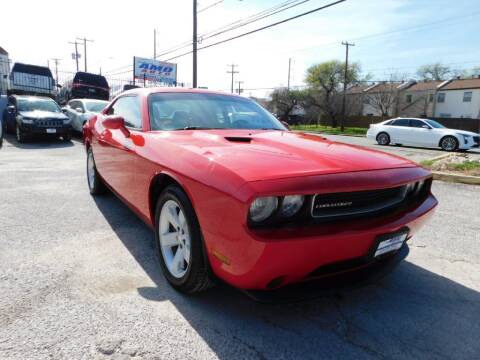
{"type": "Point", "coordinates": [1, 132]}
{"type": "Point", "coordinates": [27, 79]}
{"type": "Point", "coordinates": [38, 116]}
{"type": "Point", "coordinates": [80, 110]}
{"type": "Point", "coordinates": [231, 193]}
{"type": "Point", "coordinates": [423, 133]}
{"type": "Point", "coordinates": [85, 86]}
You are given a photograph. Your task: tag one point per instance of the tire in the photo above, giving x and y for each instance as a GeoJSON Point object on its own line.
{"type": "Point", "coordinates": [383, 139]}
{"type": "Point", "coordinates": [190, 274]}
{"type": "Point", "coordinates": [449, 143]}
{"type": "Point", "coordinates": [20, 135]}
{"type": "Point", "coordinates": [94, 181]}
{"type": "Point", "coordinates": [67, 137]}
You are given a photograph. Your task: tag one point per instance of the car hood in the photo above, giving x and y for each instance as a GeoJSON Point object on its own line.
{"type": "Point", "coordinates": [462, 132]}
{"type": "Point", "coordinates": [262, 155]}
{"type": "Point", "coordinates": [43, 115]}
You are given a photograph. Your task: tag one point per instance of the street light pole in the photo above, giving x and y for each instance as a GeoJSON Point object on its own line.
{"type": "Point", "coordinates": [195, 41]}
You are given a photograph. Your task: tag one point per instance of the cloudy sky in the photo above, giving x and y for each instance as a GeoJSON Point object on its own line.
{"type": "Point", "coordinates": [390, 36]}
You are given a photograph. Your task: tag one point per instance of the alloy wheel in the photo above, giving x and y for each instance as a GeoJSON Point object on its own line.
{"type": "Point", "coordinates": [449, 144]}
{"type": "Point", "coordinates": [175, 241]}
{"type": "Point", "coordinates": [383, 139]}
{"type": "Point", "coordinates": [90, 170]}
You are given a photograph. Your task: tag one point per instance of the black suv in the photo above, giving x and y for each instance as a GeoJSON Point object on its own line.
{"type": "Point", "coordinates": [33, 115]}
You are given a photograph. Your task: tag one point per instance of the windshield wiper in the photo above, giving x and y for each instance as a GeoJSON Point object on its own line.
{"type": "Point", "coordinates": [198, 128]}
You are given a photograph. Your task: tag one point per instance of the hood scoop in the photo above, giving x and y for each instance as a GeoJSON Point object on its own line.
{"type": "Point", "coordinates": [239, 139]}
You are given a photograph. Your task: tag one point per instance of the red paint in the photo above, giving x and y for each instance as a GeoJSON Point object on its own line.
{"type": "Point", "coordinates": [221, 178]}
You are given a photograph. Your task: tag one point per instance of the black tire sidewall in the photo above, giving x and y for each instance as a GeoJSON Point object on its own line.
{"type": "Point", "coordinates": [187, 282]}
{"type": "Point", "coordinates": [383, 133]}
{"type": "Point", "coordinates": [449, 137]}
{"type": "Point", "coordinates": [98, 187]}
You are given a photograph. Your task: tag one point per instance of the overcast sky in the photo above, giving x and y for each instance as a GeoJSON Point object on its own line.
{"type": "Point", "coordinates": [390, 36]}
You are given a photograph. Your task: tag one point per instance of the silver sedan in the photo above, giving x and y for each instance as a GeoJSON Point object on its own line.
{"type": "Point", "coordinates": [80, 110]}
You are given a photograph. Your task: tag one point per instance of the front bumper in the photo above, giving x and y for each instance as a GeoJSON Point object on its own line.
{"type": "Point", "coordinates": [32, 129]}
{"type": "Point", "coordinates": [272, 258]}
{"type": "Point", "coordinates": [470, 143]}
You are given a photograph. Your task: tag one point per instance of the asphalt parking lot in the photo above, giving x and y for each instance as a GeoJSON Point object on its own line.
{"type": "Point", "coordinates": [79, 280]}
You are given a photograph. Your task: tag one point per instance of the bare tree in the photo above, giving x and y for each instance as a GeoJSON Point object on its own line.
{"type": "Point", "coordinates": [435, 71]}
{"type": "Point", "coordinates": [383, 98]}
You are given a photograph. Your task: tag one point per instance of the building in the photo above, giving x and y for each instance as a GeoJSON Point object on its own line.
{"type": "Point", "coordinates": [459, 98]}
{"type": "Point", "coordinates": [355, 98]}
{"type": "Point", "coordinates": [382, 99]}
{"type": "Point", "coordinates": [4, 70]}
{"type": "Point", "coordinates": [418, 99]}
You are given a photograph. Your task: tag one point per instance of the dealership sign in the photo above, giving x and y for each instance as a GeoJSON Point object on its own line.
{"type": "Point", "coordinates": [154, 70]}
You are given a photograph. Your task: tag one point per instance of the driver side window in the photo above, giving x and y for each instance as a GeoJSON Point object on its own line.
{"type": "Point", "coordinates": [128, 107]}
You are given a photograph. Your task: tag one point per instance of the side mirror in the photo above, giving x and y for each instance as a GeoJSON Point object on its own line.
{"type": "Point", "coordinates": [11, 109]}
{"type": "Point", "coordinates": [284, 123]}
{"type": "Point", "coordinates": [115, 122]}
{"type": "Point", "coordinates": [64, 110]}
{"type": "Point", "coordinates": [426, 127]}
{"type": "Point", "coordinates": [80, 110]}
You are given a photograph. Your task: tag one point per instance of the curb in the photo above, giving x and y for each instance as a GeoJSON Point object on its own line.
{"type": "Point", "coordinates": [454, 178]}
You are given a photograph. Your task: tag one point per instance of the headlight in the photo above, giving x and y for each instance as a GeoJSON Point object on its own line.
{"type": "Point", "coordinates": [466, 138]}
{"type": "Point", "coordinates": [27, 121]}
{"type": "Point", "coordinates": [262, 208]}
{"type": "Point", "coordinates": [291, 205]}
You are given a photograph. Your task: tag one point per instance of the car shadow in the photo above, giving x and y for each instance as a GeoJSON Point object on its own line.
{"type": "Point", "coordinates": [412, 313]}
{"type": "Point", "coordinates": [38, 143]}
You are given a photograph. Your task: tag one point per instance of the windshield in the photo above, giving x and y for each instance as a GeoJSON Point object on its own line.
{"type": "Point", "coordinates": [435, 124]}
{"type": "Point", "coordinates": [95, 106]}
{"type": "Point", "coordinates": [38, 104]}
{"type": "Point", "coordinates": [184, 111]}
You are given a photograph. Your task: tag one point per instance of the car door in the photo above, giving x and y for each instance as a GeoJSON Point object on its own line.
{"type": "Point", "coordinates": [421, 133]}
{"type": "Point", "coordinates": [400, 131]}
{"type": "Point", "coordinates": [115, 156]}
{"type": "Point", "coordinates": [71, 112]}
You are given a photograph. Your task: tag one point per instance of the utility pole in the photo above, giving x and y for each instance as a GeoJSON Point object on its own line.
{"type": "Point", "coordinates": [240, 87]}
{"type": "Point", "coordinates": [56, 68]}
{"type": "Point", "coordinates": [77, 55]}
{"type": "Point", "coordinates": [232, 72]}
{"type": "Point", "coordinates": [85, 50]}
{"type": "Point", "coordinates": [289, 71]}
{"type": "Point", "coordinates": [195, 42]}
{"type": "Point", "coordinates": [154, 43]}
{"type": "Point", "coordinates": [345, 81]}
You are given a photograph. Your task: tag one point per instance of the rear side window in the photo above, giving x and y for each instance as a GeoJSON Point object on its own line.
{"type": "Point", "coordinates": [417, 123]}
{"type": "Point", "coordinates": [401, 122]}
{"type": "Point", "coordinates": [90, 79]}
{"type": "Point", "coordinates": [128, 107]}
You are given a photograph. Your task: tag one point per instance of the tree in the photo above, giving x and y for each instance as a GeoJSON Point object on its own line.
{"type": "Point", "coordinates": [325, 83]}
{"type": "Point", "coordinates": [284, 101]}
{"type": "Point", "coordinates": [435, 71]}
{"type": "Point", "coordinates": [383, 97]}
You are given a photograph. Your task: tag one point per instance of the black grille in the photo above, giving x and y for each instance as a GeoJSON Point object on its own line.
{"type": "Point", "coordinates": [49, 123]}
{"type": "Point", "coordinates": [354, 203]}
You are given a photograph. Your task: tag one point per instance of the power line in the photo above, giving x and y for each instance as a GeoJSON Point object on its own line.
{"type": "Point", "coordinates": [210, 6]}
{"type": "Point", "coordinates": [262, 28]}
{"type": "Point", "coordinates": [232, 26]}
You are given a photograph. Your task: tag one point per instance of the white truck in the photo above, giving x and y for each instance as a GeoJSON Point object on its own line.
{"type": "Point", "coordinates": [28, 79]}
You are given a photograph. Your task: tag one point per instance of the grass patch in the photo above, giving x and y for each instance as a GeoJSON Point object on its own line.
{"type": "Point", "coordinates": [468, 165]}
{"type": "Point", "coordinates": [427, 163]}
{"type": "Point", "coordinates": [329, 130]}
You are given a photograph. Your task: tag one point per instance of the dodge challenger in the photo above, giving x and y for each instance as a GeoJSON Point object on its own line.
{"type": "Point", "coordinates": [232, 194]}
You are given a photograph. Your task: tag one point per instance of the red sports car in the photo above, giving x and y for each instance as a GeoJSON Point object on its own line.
{"type": "Point", "coordinates": [232, 194]}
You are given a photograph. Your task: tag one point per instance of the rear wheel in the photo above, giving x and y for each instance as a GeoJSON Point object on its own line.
{"type": "Point", "coordinates": [179, 242]}
{"type": "Point", "coordinates": [449, 143]}
{"type": "Point", "coordinates": [383, 139]}
{"type": "Point", "coordinates": [67, 137]}
{"type": "Point", "coordinates": [95, 182]}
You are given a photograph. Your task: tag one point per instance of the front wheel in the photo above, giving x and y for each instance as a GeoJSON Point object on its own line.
{"type": "Point", "coordinates": [67, 137]}
{"type": "Point", "coordinates": [95, 182]}
{"type": "Point", "coordinates": [19, 134]}
{"type": "Point", "coordinates": [449, 143]}
{"type": "Point", "coordinates": [179, 242]}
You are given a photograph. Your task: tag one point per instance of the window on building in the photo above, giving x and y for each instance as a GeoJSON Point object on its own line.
{"type": "Point", "coordinates": [366, 100]}
{"type": "Point", "coordinates": [467, 96]}
{"type": "Point", "coordinates": [409, 98]}
{"type": "Point", "coordinates": [430, 98]}
{"type": "Point", "coordinates": [445, 115]}
{"type": "Point", "coordinates": [441, 97]}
